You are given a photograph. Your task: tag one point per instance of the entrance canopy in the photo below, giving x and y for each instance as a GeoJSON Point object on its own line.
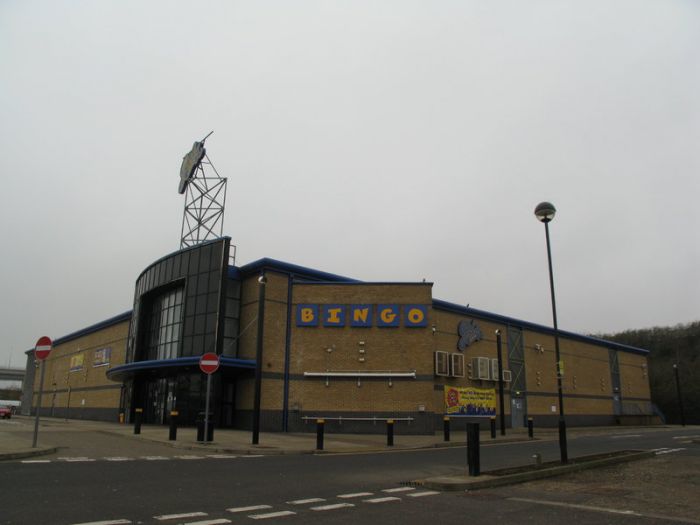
{"type": "Point", "coordinates": [169, 366]}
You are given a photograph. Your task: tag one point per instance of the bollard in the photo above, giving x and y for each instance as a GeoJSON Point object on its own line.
{"type": "Point", "coordinates": [138, 413]}
{"type": "Point", "coordinates": [173, 425]}
{"type": "Point", "coordinates": [530, 432]}
{"type": "Point", "coordinates": [320, 423]}
{"type": "Point", "coordinates": [121, 418]}
{"type": "Point", "coordinates": [473, 449]}
{"type": "Point", "coordinates": [493, 428]}
{"type": "Point", "coordinates": [389, 432]}
{"type": "Point", "coordinates": [446, 427]}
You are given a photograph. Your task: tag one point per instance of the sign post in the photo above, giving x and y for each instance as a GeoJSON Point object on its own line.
{"type": "Point", "coordinates": [208, 363]}
{"type": "Point", "coordinates": [41, 351]}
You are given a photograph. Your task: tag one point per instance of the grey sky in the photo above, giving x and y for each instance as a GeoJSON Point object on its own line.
{"type": "Point", "coordinates": [389, 140]}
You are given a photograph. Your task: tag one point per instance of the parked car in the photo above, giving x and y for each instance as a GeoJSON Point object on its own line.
{"type": "Point", "coordinates": [5, 412]}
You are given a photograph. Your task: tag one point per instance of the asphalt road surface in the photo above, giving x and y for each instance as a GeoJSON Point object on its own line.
{"type": "Point", "coordinates": [148, 483]}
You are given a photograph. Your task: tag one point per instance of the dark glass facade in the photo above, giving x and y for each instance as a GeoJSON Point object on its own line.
{"type": "Point", "coordinates": [185, 305]}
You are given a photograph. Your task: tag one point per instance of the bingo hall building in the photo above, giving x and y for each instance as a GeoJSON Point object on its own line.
{"type": "Point", "coordinates": [326, 346]}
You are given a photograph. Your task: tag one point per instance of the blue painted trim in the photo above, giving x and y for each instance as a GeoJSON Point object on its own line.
{"type": "Point", "coordinates": [126, 316]}
{"type": "Point", "coordinates": [481, 314]}
{"type": "Point", "coordinates": [179, 362]}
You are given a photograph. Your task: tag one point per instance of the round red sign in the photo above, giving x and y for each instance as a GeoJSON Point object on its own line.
{"type": "Point", "coordinates": [209, 363]}
{"type": "Point", "coordinates": [43, 348]}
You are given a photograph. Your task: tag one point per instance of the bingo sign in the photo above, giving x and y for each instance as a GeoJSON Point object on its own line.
{"type": "Point", "coordinates": [43, 348]}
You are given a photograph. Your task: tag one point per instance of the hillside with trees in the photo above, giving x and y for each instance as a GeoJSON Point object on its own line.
{"type": "Point", "coordinates": [679, 345]}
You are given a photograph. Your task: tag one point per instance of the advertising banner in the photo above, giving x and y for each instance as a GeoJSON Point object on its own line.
{"type": "Point", "coordinates": [102, 357]}
{"type": "Point", "coordinates": [76, 362]}
{"type": "Point", "coordinates": [470, 401]}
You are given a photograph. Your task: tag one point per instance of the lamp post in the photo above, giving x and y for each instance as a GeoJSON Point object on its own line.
{"type": "Point", "coordinates": [545, 212]}
{"type": "Point", "coordinates": [678, 390]}
{"type": "Point", "coordinates": [262, 280]}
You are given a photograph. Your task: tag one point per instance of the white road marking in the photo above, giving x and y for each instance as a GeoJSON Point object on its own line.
{"type": "Point", "coordinates": [76, 460]}
{"type": "Point", "coordinates": [355, 495]}
{"type": "Point", "coordinates": [253, 456]}
{"type": "Point", "coordinates": [249, 509]}
{"type": "Point", "coordinates": [686, 437]}
{"type": "Point", "coordinates": [669, 451]}
{"type": "Point", "coordinates": [421, 494]}
{"type": "Point", "coordinates": [576, 506]}
{"type": "Point", "coordinates": [333, 507]}
{"type": "Point", "coordinates": [221, 456]}
{"type": "Point", "coordinates": [626, 436]}
{"type": "Point", "coordinates": [220, 521]}
{"type": "Point", "coordinates": [165, 517]}
{"type": "Point", "coordinates": [305, 501]}
{"type": "Point", "coordinates": [119, 458]}
{"type": "Point", "coordinates": [189, 457]}
{"type": "Point", "coordinates": [399, 489]}
{"type": "Point", "coordinates": [36, 461]}
{"type": "Point", "coordinates": [108, 522]}
{"type": "Point", "coordinates": [154, 458]}
{"type": "Point", "coordinates": [382, 500]}
{"type": "Point", "coordinates": [272, 515]}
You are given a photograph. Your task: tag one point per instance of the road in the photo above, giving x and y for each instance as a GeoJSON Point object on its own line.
{"type": "Point", "coordinates": [148, 483]}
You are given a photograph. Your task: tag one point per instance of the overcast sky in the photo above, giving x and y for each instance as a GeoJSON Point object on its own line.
{"type": "Point", "coordinates": [382, 140]}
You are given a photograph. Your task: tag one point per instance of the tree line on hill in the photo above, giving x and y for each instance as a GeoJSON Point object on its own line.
{"type": "Point", "coordinates": [678, 345]}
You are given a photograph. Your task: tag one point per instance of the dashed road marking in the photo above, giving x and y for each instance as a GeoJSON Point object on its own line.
{"type": "Point", "coordinates": [249, 509]}
{"type": "Point", "coordinates": [221, 456]}
{"type": "Point", "coordinates": [382, 500]}
{"type": "Point", "coordinates": [272, 515]}
{"type": "Point", "coordinates": [166, 517]}
{"type": "Point", "coordinates": [118, 458]}
{"type": "Point", "coordinates": [76, 460]}
{"type": "Point", "coordinates": [253, 456]}
{"type": "Point", "coordinates": [189, 457]}
{"type": "Point", "coordinates": [618, 436]}
{"type": "Point", "coordinates": [668, 451]}
{"type": "Point", "coordinates": [333, 506]}
{"type": "Point", "coordinates": [355, 495]}
{"type": "Point", "coordinates": [421, 494]}
{"type": "Point", "coordinates": [219, 521]}
{"type": "Point", "coordinates": [686, 437]}
{"type": "Point", "coordinates": [154, 458]}
{"type": "Point", "coordinates": [36, 461]}
{"type": "Point", "coordinates": [107, 522]}
{"type": "Point", "coordinates": [399, 489]}
{"type": "Point", "coordinates": [305, 501]}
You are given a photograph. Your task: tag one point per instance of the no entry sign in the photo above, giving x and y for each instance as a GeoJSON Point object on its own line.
{"type": "Point", "coordinates": [209, 363]}
{"type": "Point", "coordinates": [43, 348]}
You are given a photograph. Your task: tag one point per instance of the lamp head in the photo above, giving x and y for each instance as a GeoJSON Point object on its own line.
{"type": "Point", "coordinates": [545, 211]}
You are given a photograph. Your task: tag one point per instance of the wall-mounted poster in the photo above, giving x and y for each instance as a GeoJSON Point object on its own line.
{"type": "Point", "coordinates": [102, 357]}
{"type": "Point", "coordinates": [470, 401]}
{"type": "Point", "coordinates": [76, 362]}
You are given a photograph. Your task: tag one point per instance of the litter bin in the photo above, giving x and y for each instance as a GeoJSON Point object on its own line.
{"type": "Point", "coordinates": [200, 427]}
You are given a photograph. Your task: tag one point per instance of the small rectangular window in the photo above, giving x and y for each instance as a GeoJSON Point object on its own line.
{"type": "Point", "coordinates": [442, 364]}
{"type": "Point", "coordinates": [457, 365]}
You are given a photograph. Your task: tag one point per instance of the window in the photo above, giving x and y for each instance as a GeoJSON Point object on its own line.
{"type": "Point", "coordinates": [164, 325]}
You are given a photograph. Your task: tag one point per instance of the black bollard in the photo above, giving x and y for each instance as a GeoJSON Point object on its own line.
{"type": "Point", "coordinates": [173, 425]}
{"type": "Point", "coordinates": [320, 423]}
{"type": "Point", "coordinates": [530, 432]}
{"type": "Point", "coordinates": [138, 413]}
{"type": "Point", "coordinates": [389, 432]}
{"type": "Point", "coordinates": [493, 428]}
{"type": "Point", "coordinates": [473, 449]}
{"type": "Point", "coordinates": [446, 427]}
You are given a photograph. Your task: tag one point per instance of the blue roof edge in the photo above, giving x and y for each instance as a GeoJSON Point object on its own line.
{"type": "Point", "coordinates": [482, 314]}
{"type": "Point", "coordinates": [126, 316]}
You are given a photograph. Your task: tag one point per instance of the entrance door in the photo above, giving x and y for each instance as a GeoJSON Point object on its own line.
{"type": "Point", "coordinates": [517, 411]}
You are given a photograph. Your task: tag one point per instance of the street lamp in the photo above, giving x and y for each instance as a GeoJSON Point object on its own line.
{"type": "Point", "coordinates": [262, 281]}
{"type": "Point", "coordinates": [545, 212]}
{"type": "Point", "coordinates": [678, 390]}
